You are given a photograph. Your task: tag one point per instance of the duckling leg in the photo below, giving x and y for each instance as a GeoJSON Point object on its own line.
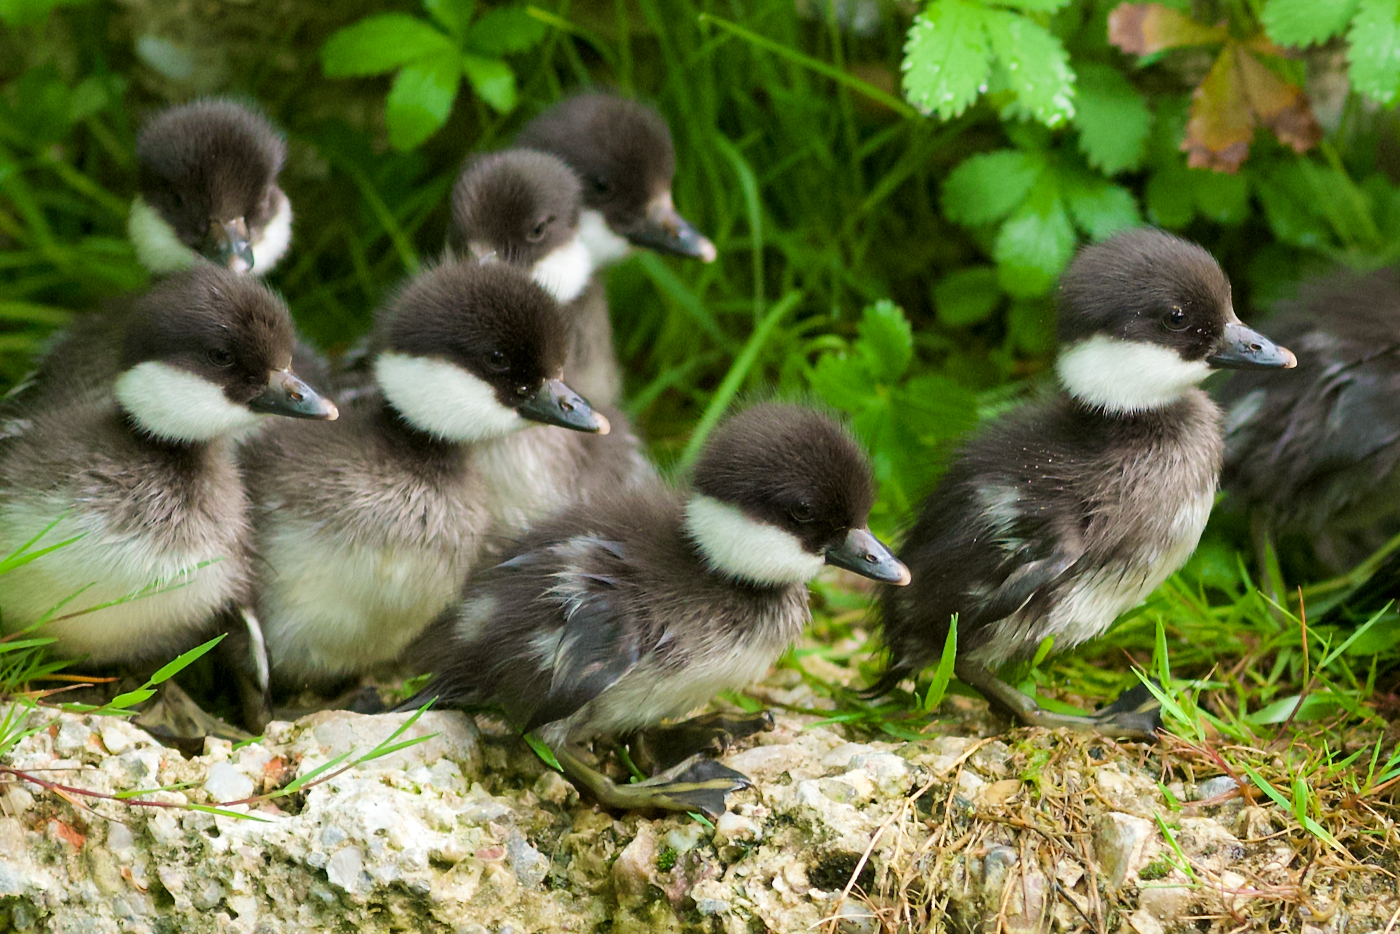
{"type": "Point", "coordinates": [662, 747]}
{"type": "Point", "coordinates": [1129, 717]}
{"type": "Point", "coordinates": [697, 784]}
{"type": "Point", "coordinates": [245, 653]}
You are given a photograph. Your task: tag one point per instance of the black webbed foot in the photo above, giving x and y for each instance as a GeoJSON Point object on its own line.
{"type": "Point", "coordinates": [662, 747]}
{"type": "Point", "coordinates": [697, 784]}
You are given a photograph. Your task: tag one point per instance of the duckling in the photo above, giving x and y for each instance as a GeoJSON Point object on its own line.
{"type": "Point", "coordinates": [368, 532]}
{"type": "Point", "coordinates": [521, 207]}
{"type": "Point", "coordinates": [615, 615]}
{"type": "Point", "coordinates": [623, 154]}
{"type": "Point", "coordinates": [1319, 454]}
{"type": "Point", "coordinates": [138, 478]}
{"type": "Point", "coordinates": [207, 178]}
{"type": "Point", "coordinates": [1054, 520]}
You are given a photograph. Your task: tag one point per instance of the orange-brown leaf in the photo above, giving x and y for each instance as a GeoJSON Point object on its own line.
{"type": "Point", "coordinates": [1279, 105]}
{"type": "Point", "coordinates": [1221, 124]}
{"type": "Point", "coordinates": [1144, 28]}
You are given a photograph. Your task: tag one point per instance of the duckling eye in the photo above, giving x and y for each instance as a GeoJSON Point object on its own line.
{"type": "Point", "coordinates": [1175, 319]}
{"type": "Point", "coordinates": [536, 235]}
{"type": "Point", "coordinates": [220, 357]}
{"type": "Point", "coordinates": [600, 185]}
{"type": "Point", "coordinates": [498, 361]}
{"type": "Point", "coordinates": [803, 512]}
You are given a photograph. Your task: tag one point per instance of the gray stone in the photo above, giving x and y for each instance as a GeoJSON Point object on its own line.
{"type": "Point", "coordinates": [1119, 842]}
{"type": "Point", "coordinates": [345, 867]}
{"type": "Point", "coordinates": [227, 783]}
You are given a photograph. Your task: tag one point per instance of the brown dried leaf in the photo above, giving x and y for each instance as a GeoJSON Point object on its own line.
{"type": "Point", "coordinates": [1280, 106]}
{"type": "Point", "coordinates": [1144, 28]}
{"type": "Point", "coordinates": [1222, 123]}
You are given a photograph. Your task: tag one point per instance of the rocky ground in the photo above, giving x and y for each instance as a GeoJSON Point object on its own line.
{"type": "Point", "coordinates": [469, 833]}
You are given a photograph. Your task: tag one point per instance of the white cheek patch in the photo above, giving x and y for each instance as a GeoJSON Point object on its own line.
{"type": "Point", "coordinates": [275, 239]}
{"type": "Point", "coordinates": [565, 271]}
{"type": "Point", "coordinates": [1127, 376]}
{"type": "Point", "coordinates": [176, 405]}
{"type": "Point", "coordinates": [158, 248]}
{"type": "Point", "coordinates": [443, 399]}
{"type": "Point", "coordinates": [603, 245]}
{"type": "Point", "coordinates": [746, 548]}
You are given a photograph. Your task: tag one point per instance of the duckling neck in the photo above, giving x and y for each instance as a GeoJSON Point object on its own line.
{"type": "Point", "coordinates": [1122, 377]}
{"type": "Point", "coordinates": [734, 545]}
{"type": "Point", "coordinates": [442, 399]}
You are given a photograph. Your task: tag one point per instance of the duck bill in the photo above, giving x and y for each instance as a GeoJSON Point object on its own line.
{"type": "Point", "coordinates": [229, 244]}
{"type": "Point", "coordinates": [556, 404]}
{"type": "Point", "coordinates": [864, 554]}
{"type": "Point", "coordinates": [665, 230]}
{"type": "Point", "coordinates": [287, 395]}
{"type": "Point", "coordinates": [1243, 348]}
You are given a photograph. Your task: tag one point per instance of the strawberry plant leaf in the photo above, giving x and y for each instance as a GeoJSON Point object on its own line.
{"type": "Point", "coordinates": [505, 31]}
{"type": "Point", "coordinates": [1035, 67]}
{"type": "Point", "coordinates": [452, 15]}
{"type": "Point", "coordinates": [987, 187]}
{"type": "Point", "coordinates": [886, 344]}
{"type": "Point", "coordinates": [492, 79]}
{"type": "Point", "coordinates": [947, 58]}
{"type": "Point", "coordinates": [420, 99]}
{"type": "Point", "coordinates": [1306, 22]}
{"type": "Point", "coordinates": [1375, 50]}
{"type": "Point", "coordinates": [967, 296]}
{"type": "Point", "coordinates": [1035, 243]}
{"type": "Point", "coordinates": [1100, 208]}
{"type": "Point", "coordinates": [1145, 28]}
{"type": "Point", "coordinates": [1113, 119]}
{"type": "Point", "coordinates": [378, 44]}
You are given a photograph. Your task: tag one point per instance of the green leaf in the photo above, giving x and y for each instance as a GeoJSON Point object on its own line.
{"type": "Point", "coordinates": [1305, 22]}
{"type": "Point", "coordinates": [1032, 6]}
{"type": "Point", "coordinates": [1031, 325]}
{"type": "Point", "coordinates": [1290, 208]}
{"type": "Point", "coordinates": [421, 99]}
{"type": "Point", "coordinates": [841, 382]}
{"type": "Point", "coordinates": [1113, 119]}
{"type": "Point", "coordinates": [505, 31]}
{"type": "Point", "coordinates": [1035, 243]}
{"type": "Point", "coordinates": [179, 664]}
{"type": "Point", "coordinates": [944, 672]}
{"type": "Point", "coordinates": [453, 15]}
{"type": "Point", "coordinates": [492, 79]}
{"type": "Point", "coordinates": [1220, 196]}
{"type": "Point", "coordinates": [1035, 66]}
{"type": "Point", "coordinates": [1170, 198]}
{"type": "Point", "coordinates": [544, 752]}
{"type": "Point", "coordinates": [886, 341]}
{"type": "Point", "coordinates": [947, 58]}
{"type": "Point", "coordinates": [1375, 49]}
{"type": "Point", "coordinates": [967, 296]}
{"type": "Point", "coordinates": [1100, 208]}
{"type": "Point", "coordinates": [988, 187]}
{"type": "Point", "coordinates": [377, 44]}
{"type": "Point", "coordinates": [130, 698]}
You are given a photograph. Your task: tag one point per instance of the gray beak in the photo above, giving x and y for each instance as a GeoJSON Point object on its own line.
{"type": "Point", "coordinates": [287, 395]}
{"type": "Point", "coordinates": [229, 246]}
{"type": "Point", "coordinates": [556, 404]}
{"type": "Point", "coordinates": [864, 554]}
{"type": "Point", "coordinates": [1243, 348]}
{"type": "Point", "coordinates": [665, 230]}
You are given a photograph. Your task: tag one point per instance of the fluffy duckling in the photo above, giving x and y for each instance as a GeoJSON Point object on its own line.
{"type": "Point", "coordinates": [1054, 520]}
{"type": "Point", "coordinates": [367, 532]}
{"type": "Point", "coordinates": [1319, 453]}
{"type": "Point", "coordinates": [616, 615]}
{"type": "Point", "coordinates": [139, 477]}
{"type": "Point", "coordinates": [207, 177]}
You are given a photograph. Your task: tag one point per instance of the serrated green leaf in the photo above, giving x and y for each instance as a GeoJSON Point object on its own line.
{"type": "Point", "coordinates": [1113, 119]}
{"type": "Point", "coordinates": [492, 79]}
{"type": "Point", "coordinates": [987, 187]}
{"type": "Point", "coordinates": [1170, 198]}
{"type": "Point", "coordinates": [1375, 49]}
{"type": "Point", "coordinates": [1305, 22]}
{"type": "Point", "coordinates": [1036, 67]}
{"type": "Point", "coordinates": [967, 296]}
{"type": "Point", "coordinates": [420, 100]}
{"type": "Point", "coordinates": [1100, 208]}
{"type": "Point", "coordinates": [1032, 6]}
{"type": "Point", "coordinates": [505, 31]}
{"type": "Point", "coordinates": [453, 15]}
{"type": "Point", "coordinates": [1290, 209]}
{"type": "Point", "coordinates": [841, 382]}
{"type": "Point", "coordinates": [1035, 243]}
{"type": "Point", "coordinates": [947, 58]}
{"type": "Point", "coordinates": [377, 44]}
{"type": "Point", "coordinates": [886, 341]}
{"type": "Point", "coordinates": [1220, 196]}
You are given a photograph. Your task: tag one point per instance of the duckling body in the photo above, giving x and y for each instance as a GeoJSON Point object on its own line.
{"type": "Point", "coordinates": [1319, 454]}
{"type": "Point", "coordinates": [1055, 520]}
{"type": "Point", "coordinates": [140, 474]}
{"type": "Point", "coordinates": [634, 608]}
{"type": "Point", "coordinates": [368, 532]}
